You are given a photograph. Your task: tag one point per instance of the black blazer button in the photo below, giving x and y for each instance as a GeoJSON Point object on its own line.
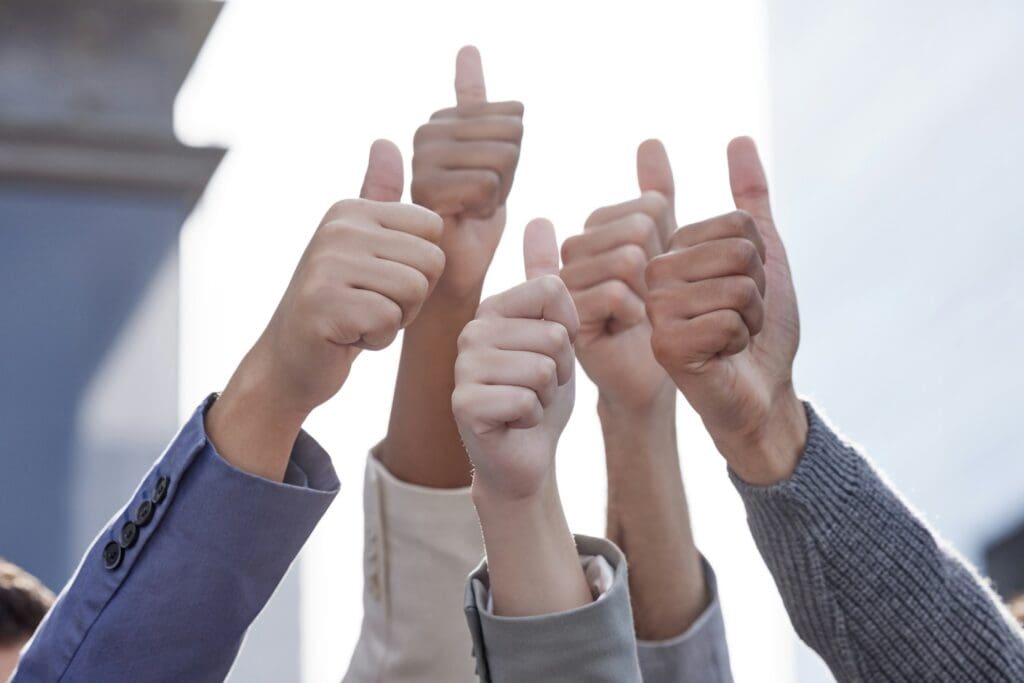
{"type": "Point", "coordinates": [160, 492]}
{"type": "Point", "coordinates": [144, 513]}
{"type": "Point", "coordinates": [129, 534]}
{"type": "Point", "coordinates": [112, 556]}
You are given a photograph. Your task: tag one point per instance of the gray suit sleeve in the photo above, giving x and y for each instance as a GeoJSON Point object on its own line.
{"type": "Point", "coordinates": [865, 581]}
{"type": "Point", "coordinates": [698, 655]}
{"type": "Point", "coordinates": [593, 643]}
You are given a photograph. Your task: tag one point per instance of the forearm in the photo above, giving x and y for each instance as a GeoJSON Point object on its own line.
{"type": "Point", "coordinates": [531, 555]}
{"type": "Point", "coordinates": [649, 520]}
{"type": "Point", "coordinates": [252, 424]}
{"type": "Point", "coordinates": [423, 444]}
{"type": "Point", "coordinates": [865, 581]}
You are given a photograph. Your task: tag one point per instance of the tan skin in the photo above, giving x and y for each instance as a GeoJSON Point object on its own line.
{"type": "Point", "coordinates": [463, 166]}
{"type": "Point", "coordinates": [514, 392]}
{"type": "Point", "coordinates": [647, 511]}
{"type": "Point", "coordinates": [365, 274]}
{"type": "Point", "coordinates": [726, 327]}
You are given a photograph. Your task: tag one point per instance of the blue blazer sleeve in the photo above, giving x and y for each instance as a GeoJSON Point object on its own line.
{"type": "Point", "coordinates": [170, 585]}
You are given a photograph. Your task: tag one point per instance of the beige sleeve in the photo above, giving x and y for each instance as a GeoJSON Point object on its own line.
{"type": "Point", "coordinates": [420, 544]}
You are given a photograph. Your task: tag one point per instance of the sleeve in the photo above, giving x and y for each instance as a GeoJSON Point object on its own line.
{"type": "Point", "coordinates": [700, 654]}
{"type": "Point", "coordinates": [419, 546]}
{"type": "Point", "coordinates": [865, 581]}
{"type": "Point", "coordinates": [592, 643]}
{"type": "Point", "coordinates": [169, 587]}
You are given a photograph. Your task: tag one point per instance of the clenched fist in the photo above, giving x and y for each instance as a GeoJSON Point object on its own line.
{"type": "Point", "coordinates": [365, 274]}
{"type": "Point", "coordinates": [604, 270]}
{"type": "Point", "coordinates": [463, 164]}
{"type": "Point", "coordinates": [726, 327]}
{"type": "Point", "coordinates": [514, 386]}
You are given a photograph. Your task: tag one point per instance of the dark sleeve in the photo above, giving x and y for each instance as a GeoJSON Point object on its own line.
{"type": "Point", "coordinates": [170, 585]}
{"type": "Point", "coordinates": [866, 582]}
{"type": "Point", "coordinates": [593, 643]}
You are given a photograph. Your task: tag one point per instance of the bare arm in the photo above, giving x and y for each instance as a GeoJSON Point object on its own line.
{"type": "Point", "coordinates": [649, 520]}
{"type": "Point", "coordinates": [647, 514]}
{"type": "Point", "coordinates": [513, 396]}
{"type": "Point", "coordinates": [465, 159]}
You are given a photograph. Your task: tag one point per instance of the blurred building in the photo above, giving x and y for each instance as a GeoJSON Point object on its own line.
{"type": "Point", "coordinates": [94, 188]}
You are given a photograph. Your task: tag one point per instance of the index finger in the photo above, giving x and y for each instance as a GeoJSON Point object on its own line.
{"type": "Point", "coordinates": [469, 78]}
{"type": "Point", "coordinates": [542, 298]}
{"type": "Point", "coordinates": [409, 218]}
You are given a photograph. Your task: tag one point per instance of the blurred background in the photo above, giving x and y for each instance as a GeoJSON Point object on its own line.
{"type": "Point", "coordinates": [138, 261]}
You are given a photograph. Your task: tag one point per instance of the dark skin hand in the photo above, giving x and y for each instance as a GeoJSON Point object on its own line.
{"type": "Point", "coordinates": [464, 163]}
{"type": "Point", "coordinates": [726, 327]}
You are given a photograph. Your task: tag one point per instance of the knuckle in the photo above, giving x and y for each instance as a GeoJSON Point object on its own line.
{"type": "Point", "coordinates": [746, 256]}
{"type": "Point", "coordinates": [744, 221]}
{"type": "Point", "coordinates": [654, 202]}
{"type": "Point", "coordinates": [663, 345]}
{"type": "Point", "coordinates": [547, 371]}
{"type": "Point", "coordinates": [634, 258]}
{"type": "Point", "coordinates": [345, 207]}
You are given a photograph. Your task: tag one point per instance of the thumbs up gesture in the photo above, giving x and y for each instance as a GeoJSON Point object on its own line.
{"type": "Point", "coordinates": [514, 386]}
{"type": "Point", "coordinates": [463, 164]}
{"type": "Point", "coordinates": [364, 275]}
{"type": "Point", "coordinates": [726, 327]}
{"type": "Point", "coordinates": [604, 271]}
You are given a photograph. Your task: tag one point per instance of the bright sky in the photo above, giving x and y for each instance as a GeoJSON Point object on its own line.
{"type": "Point", "coordinates": [298, 90]}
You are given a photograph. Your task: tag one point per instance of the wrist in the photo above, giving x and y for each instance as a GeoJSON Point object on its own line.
{"type": "Point", "coordinates": [770, 452]}
{"type": "Point", "coordinates": [656, 408]}
{"type": "Point", "coordinates": [252, 424]}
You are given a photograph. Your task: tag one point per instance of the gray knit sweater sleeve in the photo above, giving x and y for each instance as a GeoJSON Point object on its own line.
{"type": "Point", "coordinates": [867, 584]}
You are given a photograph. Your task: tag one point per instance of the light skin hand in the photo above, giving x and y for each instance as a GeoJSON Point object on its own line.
{"type": "Point", "coordinates": [364, 275]}
{"type": "Point", "coordinates": [647, 512]}
{"type": "Point", "coordinates": [463, 166]}
{"type": "Point", "coordinates": [514, 392]}
{"type": "Point", "coordinates": [726, 327]}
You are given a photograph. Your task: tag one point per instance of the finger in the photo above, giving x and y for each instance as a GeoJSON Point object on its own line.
{"type": "Point", "coordinates": [693, 343]}
{"type": "Point", "coordinates": [748, 182]}
{"type": "Point", "coordinates": [717, 258]}
{"type": "Point", "coordinates": [625, 263]}
{"type": "Point", "coordinates": [485, 407]}
{"type": "Point", "coordinates": [534, 371]}
{"type": "Point", "coordinates": [688, 300]}
{"type": "Point", "coordinates": [654, 173]}
{"type": "Point", "coordinates": [411, 219]}
{"type": "Point", "coordinates": [735, 224]}
{"type": "Point", "coordinates": [523, 334]}
{"type": "Point", "coordinates": [383, 181]}
{"type": "Point", "coordinates": [543, 298]}
{"type": "Point", "coordinates": [497, 128]}
{"type": "Point", "coordinates": [376, 319]}
{"type": "Point", "coordinates": [469, 111]}
{"type": "Point", "coordinates": [612, 301]}
{"type": "Point", "coordinates": [653, 204]}
{"type": "Point", "coordinates": [469, 78]}
{"type": "Point", "coordinates": [425, 257]}
{"type": "Point", "coordinates": [540, 249]}
{"type": "Point", "coordinates": [499, 157]}
{"type": "Point", "coordinates": [405, 286]}
{"type": "Point", "coordinates": [451, 193]}
{"type": "Point", "coordinates": [634, 228]}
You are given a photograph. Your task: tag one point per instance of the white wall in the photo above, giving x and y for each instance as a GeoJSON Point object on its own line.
{"type": "Point", "coordinates": [898, 138]}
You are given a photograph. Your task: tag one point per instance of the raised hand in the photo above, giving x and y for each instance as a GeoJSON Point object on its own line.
{"type": "Point", "coordinates": [514, 386]}
{"type": "Point", "coordinates": [726, 327]}
{"type": "Point", "coordinates": [464, 161]}
{"type": "Point", "coordinates": [513, 395]}
{"type": "Point", "coordinates": [604, 271]}
{"type": "Point", "coordinates": [365, 274]}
